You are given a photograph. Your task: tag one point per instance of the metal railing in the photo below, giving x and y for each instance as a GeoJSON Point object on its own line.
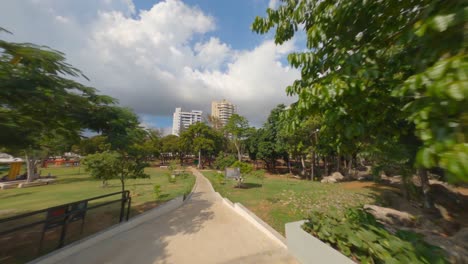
{"type": "Point", "coordinates": [63, 215]}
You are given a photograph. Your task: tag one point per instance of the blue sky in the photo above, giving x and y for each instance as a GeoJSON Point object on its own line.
{"type": "Point", "coordinates": [154, 56]}
{"type": "Point", "coordinates": [233, 18]}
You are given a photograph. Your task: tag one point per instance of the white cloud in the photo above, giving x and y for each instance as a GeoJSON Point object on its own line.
{"type": "Point", "coordinates": [273, 4]}
{"type": "Point", "coordinates": [155, 60]}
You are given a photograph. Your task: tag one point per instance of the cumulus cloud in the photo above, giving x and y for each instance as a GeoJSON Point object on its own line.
{"type": "Point", "coordinates": [152, 60]}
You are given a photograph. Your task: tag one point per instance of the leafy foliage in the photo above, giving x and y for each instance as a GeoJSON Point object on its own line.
{"type": "Point", "coordinates": [111, 164]}
{"type": "Point", "coordinates": [245, 168]}
{"type": "Point", "coordinates": [223, 161]}
{"type": "Point", "coordinates": [157, 191]}
{"type": "Point", "coordinates": [201, 138]}
{"type": "Point", "coordinates": [380, 73]}
{"type": "Point", "coordinates": [238, 129]}
{"type": "Point", "coordinates": [359, 236]}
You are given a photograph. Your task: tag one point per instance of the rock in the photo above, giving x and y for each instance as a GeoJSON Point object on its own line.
{"type": "Point", "coordinates": [337, 176]}
{"type": "Point", "coordinates": [391, 216]}
{"type": "Point", "coordinates": [328, 179]}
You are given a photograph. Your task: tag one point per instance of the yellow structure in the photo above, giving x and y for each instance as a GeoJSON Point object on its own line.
{"type": "Point", "coordinates": [15, 168]}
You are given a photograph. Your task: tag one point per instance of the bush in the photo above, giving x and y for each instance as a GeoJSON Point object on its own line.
{"type": "Point", "coordinates": [171, 178]}
{"type": "Point", "coordinates": [223, 161]}
{"type": "Point", "coordinates": [359, 236]}
{"type": "Point", "coordinates": [220, 177]}
{"type": "Point", "coordinates": [245, 168]}
{"type": "Point", "coordinates": [157, 191]}
{"type": "Point", "coordinates": [172, 166]}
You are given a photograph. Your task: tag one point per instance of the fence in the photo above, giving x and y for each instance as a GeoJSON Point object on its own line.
{"type": "Point", "coordinates": [23, 237]}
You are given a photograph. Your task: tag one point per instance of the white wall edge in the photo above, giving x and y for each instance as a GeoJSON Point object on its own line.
{"type": "Point", "coordinates": [308, 249]}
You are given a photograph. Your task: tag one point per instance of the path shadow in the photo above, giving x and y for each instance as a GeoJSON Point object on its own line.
{"type": "Point", "coordinates": [250, 185]}
{"type": "Point", "coordinates": [74, 180]}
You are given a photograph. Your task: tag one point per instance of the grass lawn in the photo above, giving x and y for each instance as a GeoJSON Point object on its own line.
{"type": "Point", "coordinates": [74, 184]}
{"type": "Point", "coordinates": [279, 200]}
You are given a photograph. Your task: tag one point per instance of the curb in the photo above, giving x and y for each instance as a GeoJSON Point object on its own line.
{"type": "Point", "coordinates": [251, 217]}
{"type": "Point", "coordinates": [256, 221]}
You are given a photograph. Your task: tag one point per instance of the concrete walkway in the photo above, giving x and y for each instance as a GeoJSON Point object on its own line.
{"type": "Point", "coordinates": [203, 230]}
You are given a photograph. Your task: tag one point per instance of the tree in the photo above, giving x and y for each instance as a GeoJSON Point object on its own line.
{"type": "Point", "coordinates": [38, 101]}
{"type": "Point", "coordinates": [268, 146]}
{"type": "Point", "coordinates": [91, 145]}
{"type": "Point", "coordinates": [301, 139]}
{"type": "Point", "coordinates": [171, 144]}
{"type": "Point", "coordinates": [202, 139]}
{"type": "Point", "coordinates": [112, 165]}
{"type": "Point", "coordinates": [237, 128]}
{"type": "Point", "coordinates": [381, 73]}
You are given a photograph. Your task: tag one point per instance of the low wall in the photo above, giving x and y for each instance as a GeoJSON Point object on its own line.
{"type": "Point", "coordinates": [255, 220]}
{"type": "Point", "coordinates": [309, 249]}
{"type": "Point", "coordinates": [60, 255]}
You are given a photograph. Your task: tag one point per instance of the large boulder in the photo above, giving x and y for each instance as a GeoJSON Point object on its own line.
{"type": "Point", "coordinates": [328, 179]}
{"type": "Point", "coordinates": [337, 176]}
{"type": "Point", "coordinates": [391, 216]}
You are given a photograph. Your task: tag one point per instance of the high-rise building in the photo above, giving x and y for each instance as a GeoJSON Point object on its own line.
{"type": "Point", "coordinates": [182, 120]}
{"type": "Point", "coordinates": [222, 110]}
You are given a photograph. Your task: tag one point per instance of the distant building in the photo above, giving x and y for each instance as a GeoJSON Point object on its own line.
{"type": "Point", "coordinates": [182, 120]}
{"type": "Point", "coordinates": [222, 110]}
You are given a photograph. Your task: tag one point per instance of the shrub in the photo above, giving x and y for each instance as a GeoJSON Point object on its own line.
{"type": "Point", "coordinates": [157, 191]}
{"type": "Point", "coordinates": [245, 168]}
{"type": "Point", "coordinates": [172, 166]}
{"type": "Point", "coordinates": [223, 161]}
{"type": "Point", "coordinates": [220, 177]}
{"type": "Point", "coordinates": [359, 236]}
{"type": "Point", "coordinates": [171, 178]}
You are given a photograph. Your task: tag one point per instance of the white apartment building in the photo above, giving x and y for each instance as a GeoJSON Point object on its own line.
{"type": "Point", "coordinates": [223, 110]}
{"type": "Point", "coordinates": [182, 120]}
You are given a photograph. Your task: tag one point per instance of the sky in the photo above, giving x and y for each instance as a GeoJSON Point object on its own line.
{"type": "Point", "coordinates": [154, 56]}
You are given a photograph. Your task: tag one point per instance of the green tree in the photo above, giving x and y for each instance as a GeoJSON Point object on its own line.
{"type": "Point", "coordinates": [171, 146]}
{"type": "Point", "coordinates": [269, 146]}
{"type": "Point", "coordinates": [237, 128]}
{"type": "Point", "coordinates": [201, 139]}
{"type": "Point", "coordinates": [113, 165]}
{"type": "Point", "coordinates": [38, 101]}
{"type": "Point", "coordinates": [380, 73]}
{"type": "Point", "coordinates": [91, 145]}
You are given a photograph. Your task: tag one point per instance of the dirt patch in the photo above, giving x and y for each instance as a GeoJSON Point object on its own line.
{"type": "Point", "coordinates": [360, 185]}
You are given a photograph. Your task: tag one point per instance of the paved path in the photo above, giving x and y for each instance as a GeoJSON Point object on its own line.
{"type": "Point", "coordinates": [203, 230]}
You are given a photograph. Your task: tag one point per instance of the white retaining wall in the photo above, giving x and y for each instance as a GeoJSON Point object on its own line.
{"type": "Point", "coordinates": [309, 249]}
{"type": "Point", "coordinates": [255, 220]}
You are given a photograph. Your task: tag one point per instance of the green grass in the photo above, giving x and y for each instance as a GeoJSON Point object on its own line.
{"type": "Point", "coordinates": [75, 184]}
{"type": "Point", "coordinates": [279, 200]}
{"type": "Point", "coordinates": [72, 185]}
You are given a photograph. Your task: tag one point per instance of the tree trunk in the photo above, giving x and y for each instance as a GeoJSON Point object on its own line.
{"type": "Point", "coordinates": [338, 161]}
{"type": "Point", "coordinates": [303, 165]}
{"type": "Point", "coordinates": [289, 166]}
{"type": "Point", "coordinates": [239, 157]}
{"type": "Point", "coordinates": [199, 159]}
{"type": "Point", "coordinates": [325, 161]}
{"type": "Point", "coordinates": [426, 188]}
{"type": "Point", "coordinates": [312, 165]}
{"type": "Point", "coordinates": [30, 164]}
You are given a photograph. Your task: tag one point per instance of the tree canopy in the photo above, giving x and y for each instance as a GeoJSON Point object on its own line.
{"type": "Point", "coordinates": [385, 74]}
